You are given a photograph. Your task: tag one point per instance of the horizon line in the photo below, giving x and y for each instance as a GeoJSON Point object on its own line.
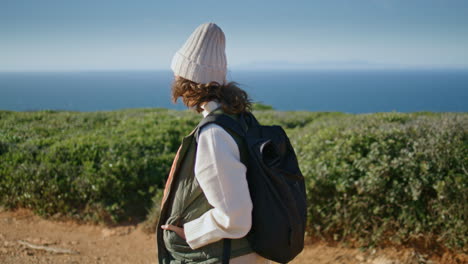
{"type": "Point", "coordinates": [235, 69]}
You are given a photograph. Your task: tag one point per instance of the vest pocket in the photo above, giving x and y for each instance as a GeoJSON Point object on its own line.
{"type": "Point", "coordinates": [176, 242]}
{"type": "Point", "coordinates": [172, 239]}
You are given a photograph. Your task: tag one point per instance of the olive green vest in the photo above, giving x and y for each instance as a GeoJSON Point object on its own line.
{"type": "Point", "coordinates": [185, 202]}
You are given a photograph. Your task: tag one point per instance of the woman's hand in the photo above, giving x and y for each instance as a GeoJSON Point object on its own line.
{"type": "Point", "coordinates": [179, 230]}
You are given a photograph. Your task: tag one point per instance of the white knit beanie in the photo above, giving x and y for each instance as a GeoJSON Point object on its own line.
{"type": "Point", "coordinates": [202, 58]}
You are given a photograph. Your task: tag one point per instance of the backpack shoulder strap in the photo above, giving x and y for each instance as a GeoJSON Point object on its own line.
{"type": "Point", "coordinates": [224, 120]}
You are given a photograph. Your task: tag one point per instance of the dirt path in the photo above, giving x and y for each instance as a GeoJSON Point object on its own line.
{"type": "Point", "coordinates": [129, 244]}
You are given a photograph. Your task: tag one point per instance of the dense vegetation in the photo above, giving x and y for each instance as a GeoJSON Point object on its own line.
{"type": "Point", "coordinates": [371, 178]}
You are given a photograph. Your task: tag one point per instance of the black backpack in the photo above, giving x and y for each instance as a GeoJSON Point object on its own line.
{"type": "Point", "coordinates": [276, 186]}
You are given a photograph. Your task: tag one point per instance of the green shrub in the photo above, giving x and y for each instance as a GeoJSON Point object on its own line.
{"type": "Point", "coordinates": [260, 106]}
{"type": "Point", "coordinates": [370, 178]}
{"type": "Point", "coordinates": [387, 176]}
{"type": "Point", "coordinates": [102, 166]}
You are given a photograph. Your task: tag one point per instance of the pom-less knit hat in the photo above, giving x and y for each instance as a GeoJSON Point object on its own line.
{"type": "Point", "coordinates": [202, 58]}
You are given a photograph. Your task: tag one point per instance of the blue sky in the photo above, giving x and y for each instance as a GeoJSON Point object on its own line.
{"type": "Point", "coordinates": [70, 35]}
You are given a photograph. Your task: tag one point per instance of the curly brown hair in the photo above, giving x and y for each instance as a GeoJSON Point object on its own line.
{"type": "Point", "coordinates": [233, 99]}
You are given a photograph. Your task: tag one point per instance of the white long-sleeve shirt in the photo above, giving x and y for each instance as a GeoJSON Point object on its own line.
{"type": "Point", "coordinates": [222, 177]}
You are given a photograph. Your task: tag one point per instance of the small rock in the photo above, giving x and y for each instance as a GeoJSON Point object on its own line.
{"type": "Point", "coordinates": [8, 244]}
{"type": "Point", "coordinates": [383, 260]}
{"type": "Point", "coordinates": [108, 232]}
{"type": "Point", "coordinates": [57, 215]}
{"type": "Point", "coordinates": [73, 243]}
{"type": "Point", "coordinates": [359, 257]}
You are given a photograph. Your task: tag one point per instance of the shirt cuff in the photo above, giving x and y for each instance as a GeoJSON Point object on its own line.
{"type": "Point", "coordinates": [213, 226]}
{"type": "Point", "coordinates": [200, 232]}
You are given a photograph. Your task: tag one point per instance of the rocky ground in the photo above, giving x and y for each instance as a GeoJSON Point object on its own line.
{"type": "Point", "coordinates": [27, 238]}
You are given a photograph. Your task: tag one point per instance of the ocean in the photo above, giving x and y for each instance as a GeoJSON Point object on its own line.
{"type": "Point", "coordinates": [357, 91]}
